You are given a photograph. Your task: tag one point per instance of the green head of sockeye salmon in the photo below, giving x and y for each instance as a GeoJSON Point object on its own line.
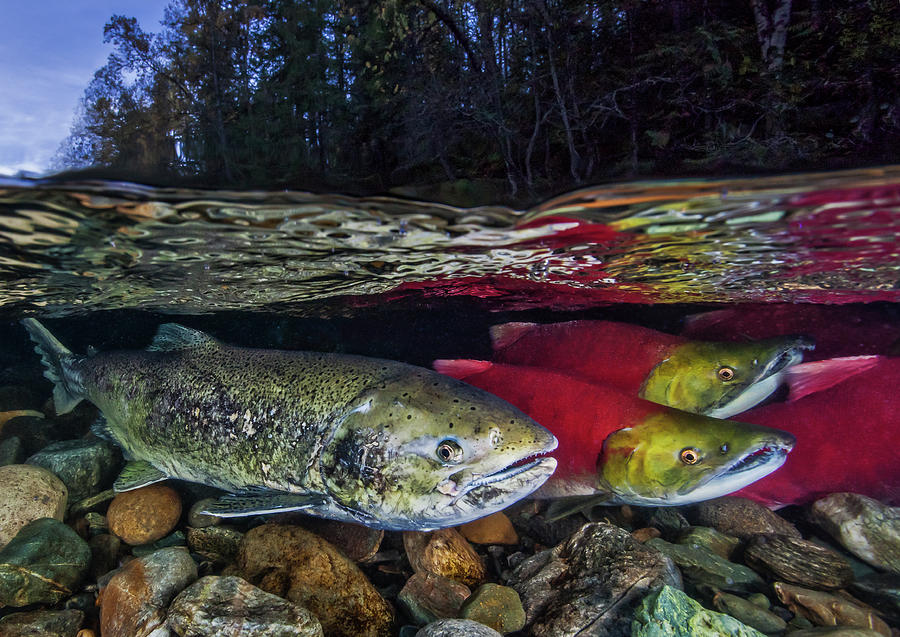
{"type": "Point", "coordinates": [722, 379]}
{"type": "Point", "coordinates": [676, 458]}
{"type": "Point", "coordinates": [364, 440]}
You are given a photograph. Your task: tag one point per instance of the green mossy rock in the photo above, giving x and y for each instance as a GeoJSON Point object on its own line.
{"type": "Point", "coordinates": [43, 623]}
{"type": "Point", "coordinates": [44, 563]}
{"type": "Point", "coordinates": [85, 466]}
{"type": "Point", "coordinates": [749, 613]}
{"type": "Point", "coordinates": [701, 566]}
{"type": "Point", "coordinates": [671, 613]}
{"type": "Point", "coordinates": [496, 606]}
{"type": "Point", "coordinates": [719, 543]}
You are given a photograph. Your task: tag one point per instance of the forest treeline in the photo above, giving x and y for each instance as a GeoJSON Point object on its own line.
{"type": "Point", "coordinates": [536, 95]}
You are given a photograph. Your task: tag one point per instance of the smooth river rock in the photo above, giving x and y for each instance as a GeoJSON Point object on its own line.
{"type": "Point", "coordinates": [719, 543]}
{"type": "Point", "coordinates": [492, 529]}
{"type": "Point", "coordinates": [229, 605]}
{"type": "Point", "coordinates": [865, 527]}
{"type": "Point", "coordinates": [12, 451]}
{"type": "Point", "coordinates": [28, 493]}
{"type": "Point", "coordinates": [299, 566]}
{"type": "Point", "coordinates": [85, 465]}
{"type": "Point", "coordinates": [44, 563]}
{"type": "Point", "coordinates": [881, 590]}
{"type": "Point", "coordinates": [798, 561]}
{"type": "Point", "coordinates": [42, 623]}
{"type": "Point", "coordinates": [134, 601]}
{"type": "Point", "coordinates": [671, 613]}
{"type": "Point", "coordinates": [590, 583]}
{"type": "Point", "coordinates": [445, 552]}
{"type": "Point", "coordinates": [358, 542]}
{"type": "Point", "coordinates": [144, 515]}
{"type": "Point", "coordinates": [826, 609]}
{"type": "Point", "coordinates": [218, 544]}
{"type": "Point", "coordinates": [749, 613]}
{"type": "Point", "coordinates": [496, 606]}
{"type": "Point", "coordinates": [457, 628]}
{"type": "Point", "coordinates": [427, 597]}
{"type": "Point", "coordinates": [834, 631]}
{"type": "Point", "coordinates": [700, 565]}
{"type": "Point", "coordinates": [740, 518]}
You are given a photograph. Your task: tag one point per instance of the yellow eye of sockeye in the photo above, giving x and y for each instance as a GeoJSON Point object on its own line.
{"type": "Point", "coordinates": [689, 455]}
{"type": "Point", "coordinates": [449, 451]}
{"type": "Point", "coordinates": [726, 374]}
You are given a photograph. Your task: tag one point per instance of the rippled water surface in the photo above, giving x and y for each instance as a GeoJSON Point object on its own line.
{"type": "Point", "coordinates": [69, 247]}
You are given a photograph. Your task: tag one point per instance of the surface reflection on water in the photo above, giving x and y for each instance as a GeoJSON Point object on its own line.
{"type": "Point", "coordinates": [78, 246]}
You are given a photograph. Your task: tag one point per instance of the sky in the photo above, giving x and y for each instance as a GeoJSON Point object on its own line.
{"type": "Point", "coordinates": [49, 50]}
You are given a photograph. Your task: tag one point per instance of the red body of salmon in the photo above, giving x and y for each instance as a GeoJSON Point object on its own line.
{"type": "Point", "coordinates": [848, 439]}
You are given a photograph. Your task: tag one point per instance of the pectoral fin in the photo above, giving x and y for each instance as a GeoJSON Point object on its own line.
{"type": "Point", "coordinates": [564, 507]}
{"type": "Point", "coordinates": [137, 474]}
{"type": "Point", "coordinates": [235, 506]}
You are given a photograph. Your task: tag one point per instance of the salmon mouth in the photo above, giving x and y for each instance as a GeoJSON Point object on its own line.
{"type": "Point", "coordinates": [537, 466]}
{"type": "Point", "coordinates": [766, 382]}
{"type": "Point", "coordinates": [791, 354]}
{"type": "Point", "coordinates": [756, 463]}
{"type": "Point", "coordinates": [514, 481]}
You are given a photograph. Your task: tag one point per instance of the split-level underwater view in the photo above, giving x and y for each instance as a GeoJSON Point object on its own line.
{"type": "Point", "coordinates": [646, 408]}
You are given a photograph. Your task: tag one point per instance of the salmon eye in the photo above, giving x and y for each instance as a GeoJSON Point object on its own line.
{"type": "Point", "coordinates": [689, 455]}
{"type": "Point", "coordinates": [448, 451]}
{"type": "Point", "coordinates": [725, 374]}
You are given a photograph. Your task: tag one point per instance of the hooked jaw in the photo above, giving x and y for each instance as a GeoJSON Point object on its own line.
{"type": "Point", "coordinates": [756, 463]}
{"type": "Point", "coordinates": [766, 382]}
{"type": "Point", "coordinates": [474, 495]}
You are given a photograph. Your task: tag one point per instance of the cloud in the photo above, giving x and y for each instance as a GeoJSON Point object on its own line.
{"type": "Point", "coordinates": [49, 51]}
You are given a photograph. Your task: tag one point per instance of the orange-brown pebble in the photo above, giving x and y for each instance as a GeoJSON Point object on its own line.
{"type": "Point", "coordinates": [646, 533]}
{"type": "Point", "coordinates": [445, 552]}
{"type": "Point", "coordinates": [86, 632]}
{"type": "Point", "coordinates": [493, 529]}
{"type": "Point", "coordinates": [144, 515]}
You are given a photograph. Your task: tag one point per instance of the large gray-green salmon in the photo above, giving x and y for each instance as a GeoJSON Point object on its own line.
{"type": "Point", "coordinates": [365, 440]}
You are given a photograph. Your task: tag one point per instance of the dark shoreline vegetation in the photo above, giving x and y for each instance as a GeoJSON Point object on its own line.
{"type": "Point", "coordinates": [491, 100]}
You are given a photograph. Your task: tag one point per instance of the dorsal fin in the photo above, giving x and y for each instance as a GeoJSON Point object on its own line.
{"type": "Point", "coordinates": [172, 336]}
{"type": "Point", "coordinates": [505, 334]}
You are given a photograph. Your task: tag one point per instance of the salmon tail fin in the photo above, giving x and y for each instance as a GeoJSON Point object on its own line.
{"type": "Point", "coordinates": [58, 360]}
{"type": "Point", "coordinates": [505, 334]}
{"type": "Point", "coordinates": [808, 378]}
{"type": "Point", "coordinates": [461, 367]}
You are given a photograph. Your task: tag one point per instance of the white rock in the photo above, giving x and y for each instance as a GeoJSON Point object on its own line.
{"type": "Point", "coordinates": [28, 493]}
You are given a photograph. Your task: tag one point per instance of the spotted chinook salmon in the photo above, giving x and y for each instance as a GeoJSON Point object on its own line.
{"type": "Point", "coordinates": [358, 439]}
